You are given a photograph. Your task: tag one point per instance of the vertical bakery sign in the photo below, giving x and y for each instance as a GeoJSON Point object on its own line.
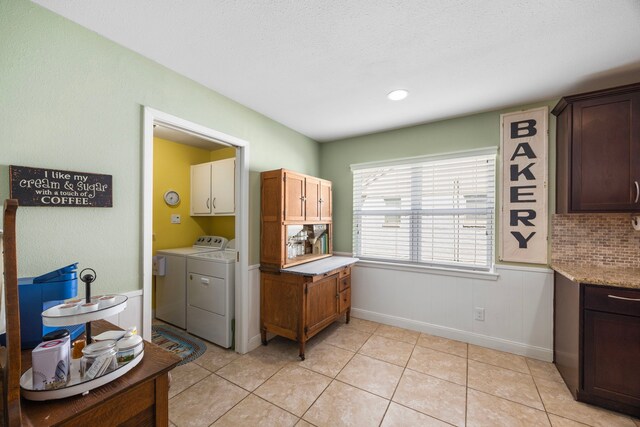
{"type": "Point", "coordinates": [59, 188]}
{"type": "Point", "coordinates": [523, 145]}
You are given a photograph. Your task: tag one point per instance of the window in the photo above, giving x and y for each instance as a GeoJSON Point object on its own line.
{"type": "Point", "coordinates": [437, 210]}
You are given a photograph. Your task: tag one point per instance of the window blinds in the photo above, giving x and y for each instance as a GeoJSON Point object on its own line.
{"type": "Point", "coordinates": [426, 211]}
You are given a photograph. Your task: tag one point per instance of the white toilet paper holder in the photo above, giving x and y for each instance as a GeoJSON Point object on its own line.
{"type": "Point", "coordinates": [635, 222]}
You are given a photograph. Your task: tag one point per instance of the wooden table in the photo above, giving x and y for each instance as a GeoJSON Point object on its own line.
{"type": "Point", "coordinates": [138, 398]}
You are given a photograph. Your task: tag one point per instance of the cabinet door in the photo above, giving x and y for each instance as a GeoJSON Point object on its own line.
{"type": "Point", "coordinates": [611, 355]}
{"type": "Point", "coordinates": [312, 199]}
{"type": "Point", "coordinates": [201, 189]}
{"type": "Point", "coordinates": [321, 303]}
{"type": "Point", "coordinates": [294, 196]}
{"type": "Point", "coordinates": [325, 200]}
{"type": "Point", "coordinates": [605, 154]}
{"type": "Point", "coordinates": [223, 200]}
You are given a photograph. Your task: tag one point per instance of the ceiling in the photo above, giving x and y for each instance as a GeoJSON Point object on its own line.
{"type": "Point", "coordinates": [324, 67]}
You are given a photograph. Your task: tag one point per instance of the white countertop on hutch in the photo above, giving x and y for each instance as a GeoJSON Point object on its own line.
{"type": "Point", "coordinates": [322, 266]}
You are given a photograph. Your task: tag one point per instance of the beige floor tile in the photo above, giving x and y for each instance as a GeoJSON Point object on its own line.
{"type": "Point", "coordinates": [505, 383]}
{"type": "Point", "coordinates": [363, 325]}
{"type": "Point", "coordinates": [486, 410]}
{"type": "Point", "coordinates": [253, 411]}
{"type": "Point", "coordinates": [399, 334]}
{"type": "Point", "coordinates": [458, 348]}
{"type": "Point", "coordinates": [544, 370]}
{"type": "Point", "coordinates": [326, 359]}
{"type": "Point", "coordinates": [279, 347]}
{"type": "Point", "coordinates": [205, 402]}
{"type": "Point", "coordinates": [216, 357]}
{"type": "Point", "coordinates": [344, 405]}
{"type": "Point", "coordinates": [437, 398]}
{"type": "Point", "coordinates": [372, 375]}
{"type": "Point", "coordinates": [184, 376]}
{"type": "Point", "coordinates": [559, 401]}
{"type": "Point", "coordinates": [557, 421]}
{"type": "Point", "coordinates": [400, 416]}
{"type": "Point", "coordinates": [438, 364]}
{"type": "Point", "coordinates": [303, 423]}
{"type": "Point", "coordinates": [387, 349]}
{"type": "Point", "coordinates": [347, 338]}
{"type": "Point", "coordinates": [498, 358]}
{"type": "Point", "coordinates": [252, 369]}
{"type": "Point", "coordinates": [293, 388]}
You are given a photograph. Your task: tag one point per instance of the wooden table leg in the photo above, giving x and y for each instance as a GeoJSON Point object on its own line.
{"type": "Point", "coordinates": [162, 400]}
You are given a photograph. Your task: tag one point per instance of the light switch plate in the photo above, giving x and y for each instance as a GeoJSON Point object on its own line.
{"type": "Point", "coordinates": [175, 219]}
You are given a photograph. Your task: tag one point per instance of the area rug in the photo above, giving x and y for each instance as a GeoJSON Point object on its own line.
{"type": "Point", "coordinates": [177, 341]}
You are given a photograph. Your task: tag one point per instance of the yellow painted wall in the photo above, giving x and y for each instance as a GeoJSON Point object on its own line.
{"type": "Point", "coordinates": [172, 171]}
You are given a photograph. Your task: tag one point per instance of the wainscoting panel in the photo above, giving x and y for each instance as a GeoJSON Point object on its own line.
{"type": "Point", "coordinates": [518, 305]}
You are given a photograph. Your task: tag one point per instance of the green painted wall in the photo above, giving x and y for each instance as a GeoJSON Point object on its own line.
{"type": "Point", "coordinates": [464, 133]}
{"type": "Point", "coordinates": [71, 99]}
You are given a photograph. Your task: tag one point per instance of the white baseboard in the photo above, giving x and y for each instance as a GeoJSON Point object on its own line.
{"type": "Point", "coordinates": [457, 334]}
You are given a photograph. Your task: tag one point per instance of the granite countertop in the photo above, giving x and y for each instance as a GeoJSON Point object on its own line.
{"type": "Point", "coordinates": [621, 277]}
{"type": "Point", "coordinates": [321, 266]}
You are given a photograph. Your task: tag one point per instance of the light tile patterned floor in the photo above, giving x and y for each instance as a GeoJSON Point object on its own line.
{"type": "Point", "coordinates": [368, 374]}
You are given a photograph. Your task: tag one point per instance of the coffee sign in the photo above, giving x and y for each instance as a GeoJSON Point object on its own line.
{"type": "Point", "coordinates": [51, 187]}
{"type": "Point", "coordinates": [523, 236]}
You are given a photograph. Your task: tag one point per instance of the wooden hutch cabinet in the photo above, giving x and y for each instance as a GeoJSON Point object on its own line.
{"type": "Point", "coordinates": [294, 204]}
{"type": "Point", "coordinates": [299, 297]}
{"type": "Point", "coordinates": [598, 151]}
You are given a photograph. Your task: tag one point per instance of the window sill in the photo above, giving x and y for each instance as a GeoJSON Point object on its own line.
{"type": "Point", "coordinates": [482, 275]}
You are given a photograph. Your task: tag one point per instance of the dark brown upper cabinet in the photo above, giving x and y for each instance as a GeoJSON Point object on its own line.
{"type": "Point", "coordinates": [598, 151]}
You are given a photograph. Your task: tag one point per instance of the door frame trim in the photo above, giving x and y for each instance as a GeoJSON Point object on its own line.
{"type": "Point", "coordinates": [152, 116]}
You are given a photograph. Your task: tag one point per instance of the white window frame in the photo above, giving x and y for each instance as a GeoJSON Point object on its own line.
{"type": "Point", "coordinates": [416, 229]}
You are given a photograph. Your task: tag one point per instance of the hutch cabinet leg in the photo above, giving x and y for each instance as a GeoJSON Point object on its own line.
{"type": "Point", "coordinates": [348, 314]}
{"type": "Point", "coordinates": [263, 336]}
{"type": "Point", "coordinates": [302, 350]}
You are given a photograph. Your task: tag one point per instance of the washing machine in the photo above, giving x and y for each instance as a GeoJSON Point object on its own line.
{"type": "Point", "coordinates": [211, 296]}
{"type": "Point", "coordinates": [171, 287]}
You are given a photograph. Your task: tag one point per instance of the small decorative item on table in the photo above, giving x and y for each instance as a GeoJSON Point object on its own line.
{"type": "Point", "coordinates": [50, 364]}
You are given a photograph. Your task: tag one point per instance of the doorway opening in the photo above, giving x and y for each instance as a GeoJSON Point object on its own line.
{"type": "Point", "coordinates": [185, 142]}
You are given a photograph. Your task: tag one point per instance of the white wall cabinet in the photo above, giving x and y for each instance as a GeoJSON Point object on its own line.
{"type": "Point", "coordinates": [213, 188]}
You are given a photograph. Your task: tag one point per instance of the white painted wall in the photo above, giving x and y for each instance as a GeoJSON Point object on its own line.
{"type": "Point", "coordinates": [254, 307]}
{"type": "Point", "coordinates": [132, 314]}
{"type": "Point", "coordinates": [518, 305]}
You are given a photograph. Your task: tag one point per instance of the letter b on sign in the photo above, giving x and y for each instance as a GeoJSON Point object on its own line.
{"type": "Point", "coordinates": [523, 129]}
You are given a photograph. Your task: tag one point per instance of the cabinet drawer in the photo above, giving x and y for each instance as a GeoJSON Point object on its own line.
{"type": "Point", "coordinates": [346, 271]}
{"type": "Point", "coordinates": [345, 299]}
{"type": "Point", "coordinates": [345, 283]}
{"type": "Point", "coordinates": [612, 300]}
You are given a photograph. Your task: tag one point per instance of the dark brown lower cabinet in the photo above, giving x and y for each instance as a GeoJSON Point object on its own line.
{"type": "Point", "coordinates": [601, 366]}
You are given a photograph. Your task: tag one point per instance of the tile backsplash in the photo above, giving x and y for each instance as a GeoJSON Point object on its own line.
{"type": "Point", "coordinates": [595, 239]}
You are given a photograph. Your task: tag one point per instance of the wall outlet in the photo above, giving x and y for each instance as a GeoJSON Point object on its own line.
{"type": "Point", "coordinates": [175, 219]}
{"type": "Point", "coordinates": [478, 314]}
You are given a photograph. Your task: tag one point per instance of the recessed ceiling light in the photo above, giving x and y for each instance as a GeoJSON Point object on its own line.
{"type": "Point", "coordinates": [397, 95]}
